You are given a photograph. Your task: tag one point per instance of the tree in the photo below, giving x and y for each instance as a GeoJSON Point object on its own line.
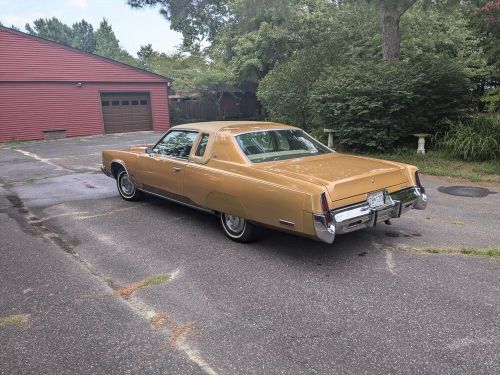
{"type": "Point", "coordinates": [147, 57]}
{"type": "Point", "coordinates": [301, 54]}
{"type": "Point", "coordinates": [13, 27]}
{"type": "Point", "coordinates": [214, 82]}
{"type": "Point", "coordinates": [107, 44]}
{"type": "Point", "coordinates": [327, 40]}
{"type": "Point", "coordinates": [195, 19]}
{"type": "Point", "coordinates": [486, 19]}
{"type": "Point", "coordinates": [83, 36]}
{"type": "Point", "coordinates": [390, 16]}
{"type": "Point", "coordinates": [51, 29]}
{"type": "Point", "coordinates": [80, 35]}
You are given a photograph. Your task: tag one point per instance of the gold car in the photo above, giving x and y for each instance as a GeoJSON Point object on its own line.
{"type": "Point", "coordinates": [263, 173]}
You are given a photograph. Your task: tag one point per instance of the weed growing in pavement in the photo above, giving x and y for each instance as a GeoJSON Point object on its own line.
{"type": "Point", "coordinates": [14, 320]}
{"type": "Point", "coordinates": [126, 290]}
{"type": "Point", "coordinates": [491, 252]}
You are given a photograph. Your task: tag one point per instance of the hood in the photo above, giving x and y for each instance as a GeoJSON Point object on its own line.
{"type": "Point", "coordinates": [344, 176]}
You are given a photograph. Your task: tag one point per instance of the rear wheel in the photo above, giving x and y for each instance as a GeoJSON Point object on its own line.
{"type": "Point", "coordinates": [126, 187]}
{"type": "Point", "coordinates": [236, 228]}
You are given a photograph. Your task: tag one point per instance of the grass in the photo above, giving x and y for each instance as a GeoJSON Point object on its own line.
{"type": "Point", "coordinates": [493, 252]}
{"type": "Point", "coordinates": [155, 280]}
{"type": "Point", "coordinates": [126, 290]}
{"type": "Point", "coordinates": [11, 144]}
{"type": "Point", "coordinates": [490, 252]}
{"type": "Point", "coordinates": [439, 164]}
{"type": "Point", "coordinates": [14, 320]}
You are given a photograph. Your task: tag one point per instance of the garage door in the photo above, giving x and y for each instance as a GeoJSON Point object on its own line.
{"type": "Point", "coordinates": [126, 112]}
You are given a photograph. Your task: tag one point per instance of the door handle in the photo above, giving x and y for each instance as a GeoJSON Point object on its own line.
{"type": "Point", "coordinates": [177, 169]}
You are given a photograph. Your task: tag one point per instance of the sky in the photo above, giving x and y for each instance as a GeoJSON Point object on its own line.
{"type": "Point", "coordinates": [133, 27]}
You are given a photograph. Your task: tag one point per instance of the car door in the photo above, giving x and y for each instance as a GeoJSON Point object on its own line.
{"type": "Point", "coordinates": [162, 170]}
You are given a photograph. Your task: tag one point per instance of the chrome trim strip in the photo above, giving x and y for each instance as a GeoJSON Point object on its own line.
{"type": "Point", "coordinates": [122, 164]}
{"type": "Point", "coordinates": [287, 223]}
{"type": "Point", "coordinates": [265, 130]}
{"type": "Point", "coordinates": [179, 202]}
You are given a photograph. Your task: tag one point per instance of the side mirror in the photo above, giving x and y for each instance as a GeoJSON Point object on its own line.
{"type": "Point", "coordinates": [149, 150]}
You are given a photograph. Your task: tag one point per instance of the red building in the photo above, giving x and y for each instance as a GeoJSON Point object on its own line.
{"type": "Point", "coordinates": [49, 90]}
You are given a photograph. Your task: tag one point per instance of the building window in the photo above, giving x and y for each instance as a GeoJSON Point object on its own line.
{"type": "Point", "coordinates": [125, 102]}
{"type": "Point", "coordinates": [105, 103]}
{"type": "Point", "coordinates": [115, 102]}
{"type": "Point", "coordinates": [135, 102]}
{"type": "Point", "coordinates": [144, 102]}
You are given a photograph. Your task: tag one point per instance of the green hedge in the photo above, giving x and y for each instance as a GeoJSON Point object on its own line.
{"type": "Point", "coordinates": [374, 106]}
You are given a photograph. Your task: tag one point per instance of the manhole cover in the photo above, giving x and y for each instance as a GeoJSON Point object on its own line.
{"type": "Point", "coordinates": [465, 191]}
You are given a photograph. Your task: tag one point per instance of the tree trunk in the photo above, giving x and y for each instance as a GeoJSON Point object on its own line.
{"type": "Point", "coordinates": [390, 16]}
{"type": "Point", "coordinates": [220, 95]}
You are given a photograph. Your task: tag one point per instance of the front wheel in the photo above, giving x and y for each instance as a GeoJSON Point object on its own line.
{"type": "Point", "coordinates": [236, 228]}
{"type": "Point", "coordinates": [127, 188]}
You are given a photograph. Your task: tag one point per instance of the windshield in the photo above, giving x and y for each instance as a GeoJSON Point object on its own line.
{"type": "Point", "coordinates": [279, 145]}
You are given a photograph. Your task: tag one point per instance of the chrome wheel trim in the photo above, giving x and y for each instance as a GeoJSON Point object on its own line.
{"type": "Point", "coordinates": [234, 225]}
{"type": "Point", "coordinates": [127, 187]}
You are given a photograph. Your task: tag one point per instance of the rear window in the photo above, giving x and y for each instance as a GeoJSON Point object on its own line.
{"type": "Point", "coordinates": [280, 144]}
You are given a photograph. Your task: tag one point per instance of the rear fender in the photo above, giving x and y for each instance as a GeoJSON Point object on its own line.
{"type": "Point", "coordinates": [226, 203]}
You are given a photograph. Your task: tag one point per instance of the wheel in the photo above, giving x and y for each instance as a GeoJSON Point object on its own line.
{"type": "Point", "coordinates": [127, 188]}
{"type": "Point", "coordinates": [236, 228]}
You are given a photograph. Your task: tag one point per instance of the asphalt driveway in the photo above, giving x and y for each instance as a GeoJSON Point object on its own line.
{"type": "Point", "coordinates": [369, 303]}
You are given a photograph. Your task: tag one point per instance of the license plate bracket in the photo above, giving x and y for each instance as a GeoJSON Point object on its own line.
{"type": "Point", "coordinates": [376, 199]}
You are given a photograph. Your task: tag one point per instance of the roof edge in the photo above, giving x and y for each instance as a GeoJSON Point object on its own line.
{"type": "Point", "coordinates": [77, 50]}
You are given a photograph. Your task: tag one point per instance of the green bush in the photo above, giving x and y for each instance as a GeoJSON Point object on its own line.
{"type": "Point", "coordinates": [474, 139]}
{"type": "Point", "coordinates": [373, 106]}
{"type": "Point", "coordinates": [327, 38]}
{"type": "Point", "coordinates": [284, 91]}
{"type": "Point", "coordinates": [492, 100]}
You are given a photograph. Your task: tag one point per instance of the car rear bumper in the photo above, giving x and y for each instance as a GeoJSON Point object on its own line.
{"type": "Point", "coordinates": [361, 215]}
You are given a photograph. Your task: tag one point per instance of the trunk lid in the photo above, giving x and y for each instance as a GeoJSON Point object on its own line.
{"type": "Point", "coordinates": [344, 176]}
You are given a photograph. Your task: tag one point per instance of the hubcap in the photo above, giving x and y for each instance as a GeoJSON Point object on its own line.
{"type": "Point", "coordinates": [126, 185]}
{"type": "Point", "coordinates": [234, 223]}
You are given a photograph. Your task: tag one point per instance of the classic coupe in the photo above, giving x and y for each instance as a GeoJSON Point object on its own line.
{"type": "Point", "coordinates": [269, 174]}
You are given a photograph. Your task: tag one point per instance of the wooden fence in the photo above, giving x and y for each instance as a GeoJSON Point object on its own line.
{"type": "Point", "coordinates": [193, 109]}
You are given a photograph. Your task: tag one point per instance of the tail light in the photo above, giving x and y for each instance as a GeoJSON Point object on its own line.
{"type": "Point", "coordinates": [419, 184]}
{"type": "Point", "coordinates": [326, 210]}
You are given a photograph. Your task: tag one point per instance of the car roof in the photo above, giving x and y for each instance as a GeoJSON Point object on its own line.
{"type": "Point", "coordinates": [233, 127]}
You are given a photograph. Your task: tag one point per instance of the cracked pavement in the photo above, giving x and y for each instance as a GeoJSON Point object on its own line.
{"type": "Point", "coordinates": [280, 305]}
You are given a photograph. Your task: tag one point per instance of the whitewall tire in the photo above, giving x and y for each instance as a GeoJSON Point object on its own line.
{"type": "Point", "coordinates": [236, 228]}
{"type": "Point", "coordinates": [126, 187]}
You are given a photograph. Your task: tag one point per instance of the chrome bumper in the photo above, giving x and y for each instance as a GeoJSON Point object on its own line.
{"type": "Point", "coordinates": [361, 215]}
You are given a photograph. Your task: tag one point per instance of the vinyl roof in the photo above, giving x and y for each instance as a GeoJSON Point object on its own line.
{"type": "Point", "coordinates": [233, 127]}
